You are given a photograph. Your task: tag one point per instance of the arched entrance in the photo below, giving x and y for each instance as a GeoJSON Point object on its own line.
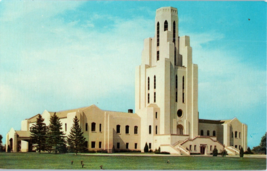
{"type": "Point", "coordinates": [180, 129]}
{"type": "Point", "coordinates": [202, 149]}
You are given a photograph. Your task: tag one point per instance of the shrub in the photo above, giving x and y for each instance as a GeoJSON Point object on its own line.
{"type": "Point", "coordinates": [241, 153]}
{"type": "Point", "coordinates": [215, 152]}
{"type": "Point", "coordinates": [146, 148]}
{"type": "Point", "coordinates": [248, 151]}
{"type": "Point", "coordinates": [224, 153]}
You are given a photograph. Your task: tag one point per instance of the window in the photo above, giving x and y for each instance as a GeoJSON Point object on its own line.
{"type": "Point", "coordinates": [174, 31]}
{"type": "Point", "coordinates": [99, 127]}
{"type": "Point", "coordinates": [118, 145]}
{"type": "Point", "coordinates": [149, 129]}
{"type": "Point", "coordinates": [135, 145]}
{"type": "Point", "coordinates": [239, 134]}
{"type": "Point", "coordinates": [154, 97]}
{"type": "Point", "coordinates": [156, 115]}
{"type": "Point", "coordinates": [156, 130]}
{"type": "Point", "coordinates": [118, 129]}
{"type": "Point", "coordinates": [148, 98]}
{"type": "Point", "coordinates": [65, 126]}
{"type": "Point", "coordinates": [166, 25]}
{"type": "Point", "coordinates": [158, 34]}
{"type": "Point", "coordinates": [235, 134]}
{"type": "Point", "coordinates": [179, 113]}
{"type": "Point", "coordinates": [183, 97]}
{"type": "Point", "coordinates": [235, 146]}
{"type": "Point", "coordinates": [176, 96]}
{"type": "Point", "coordinates": [86, 127]}
{"type": "Point", "coordinates": [99, 144]}
{"type": "Point", "coordinates": [127, 129]}
{"type": "Point", "coordinates": [154, 81]}
{"type": "Point", "coordinates": [195, 147]}
{"type": "Point", "coordinates": [201, 132]}
{"type": "Point", "coordinates": [208, 133]}
{"type": "Point", "coordinates": [135, 129]}
{"type": "Point", "coordinates": [127, 145]}
{"type": "Point", "coordinates": [86, 144]}
{"type": "Point", "coordinates": [148, 84]}
{"type": "Point", "coordinates": [214, 133]}
{"type": "Point", "coordinates": [190, 147]}
{"type": "Point", "coordinates": [93, 126]}
{"type": "Point", "coordinates": [211, 148]}
{"type": "Point", "coordinates": [92, 144]}
{"type": "Point", "coordinates": [176, 81]}
{"type": "Point", "coordinates": [157, 55]}
{"type": "Point", "coordinates": [174, 55]}
{"type": "Point", "coordinates": [149, 146]}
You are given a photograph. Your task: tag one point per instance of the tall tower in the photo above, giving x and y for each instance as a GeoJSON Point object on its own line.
{"type": "Point", "coordinates": [166, 85]}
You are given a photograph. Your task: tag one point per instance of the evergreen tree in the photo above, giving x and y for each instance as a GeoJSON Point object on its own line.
{"type": "Point", "coordinates": [263, 144]}
{"type": "Point", "coordinates": [55, 137]}
{"type": "Point", "coordinates": [76, 139]}
{"type": "Point", "coordinates": [38, 133]}
{"type": "Point", "coordinates": [1, 147]}
{"type": "Point", "coordinates": [241, 152]}
{"type": "Point", "coordinates": [146, 148]}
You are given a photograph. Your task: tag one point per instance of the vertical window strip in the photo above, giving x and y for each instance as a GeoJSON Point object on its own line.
{"type": "Point", "coordinates": [174, 32]}
{"type": "Point", "coordinates": [154, 97]}
{"type": "Point", "coordinates": [157, 55]}
{"type": "Point", "coordinates": [158, 34]}
{"type": "Point", "coordinates": [148, 98]}
{"type": "Point", "coordinates": [155, 82]}
{"type": "Point", "coordinates": [148, 83]}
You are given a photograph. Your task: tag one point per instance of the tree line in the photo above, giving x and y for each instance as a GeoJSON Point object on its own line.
{"type": "Point", "coordinates": [51, 138]}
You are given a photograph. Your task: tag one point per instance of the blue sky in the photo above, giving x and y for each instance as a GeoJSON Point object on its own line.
{"type": "Point", "coordinates": [60, 55]}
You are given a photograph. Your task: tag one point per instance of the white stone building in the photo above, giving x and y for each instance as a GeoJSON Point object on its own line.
{"type": "Point", "coordinates": [166, 106]}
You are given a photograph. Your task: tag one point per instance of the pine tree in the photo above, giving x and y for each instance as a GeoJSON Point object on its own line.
{"type": "Point", "coordinates": [241, 152]}
{"type": "Point", "coordinates": [55, 137]}
{"type": "Point", "coordinates": [76, 139]}
{"type": "Point", "coordinates": [38, 133]}
{"type": "Point", "coordinates": [1, 147]}
{"type": "Point", "coordinates": [215, 152]}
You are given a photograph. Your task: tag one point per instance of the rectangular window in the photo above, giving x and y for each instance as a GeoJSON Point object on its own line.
{"type": "Point", "coordinates": [127, 129]}
{"type": "Point", "coordinates": [92, 144]}
{"type": "Point", "coordinates": [127, 145]}
{"type": "Point", "coordinates": [118, 145]}
{"type": "Point", "coordinates": [149, 129]}
{"type": "Point", "coordinates": [155, 82]}
{"type": "Point", "coordinates": [239, 134]}
{"type": "Point", "coordinates": [154, 97]}
{"type": "Point", "coordinates": [65, 127]}
{"type": "Point", "coordinates": [148, 98]}
{"type": "Point", "coordinates": [156, 130]}
{"type": "Point", "coordinates": [135, 129]}
{"type": "Point", "coordinates": [99, 145]}
{"type": "Point", "coordinates": [190, 147]}
{"type": "Point", "coordinates": [118, 130]}
{"type": "Point", "coordinates": [148, 84]}
{"type": "Point", "coordinates": [235, 134]}
{"type": "Point", "coordinates": [149, 146]}
{"type": "Point", "coordinates": [235, 146]}
{"type": "Point", "coordinates": [176, 96]}
{"type": "Point", "coordinates": [86, 144]}
{"type": "Point", "coordinates": [99, 127]}
{"type": "Point", "coordinates": [135, 145]}
{"type": "Point", "coordinates": [157, 55]}
{"type": "Point", "coordinates": [211, 148]}
{"type": "Point", "coordinates": [156, 115]}
{"type": "Point", "coordinates": [195, 147]}
{"type": "Point", "coordinates": [183, 97]}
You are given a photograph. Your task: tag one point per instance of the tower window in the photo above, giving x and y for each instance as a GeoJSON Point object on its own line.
{"type": "Point", "coordinates": [158, 34]}
{"type": "Point", "coordinates": [65, 126]}
{"type": "Point", "coordinates": [99, 144]}
{"type": "Point", "coordinates": [148, 83]}
{"type": "Point", "coordinates": [208, 133]}
{"type": "Point", "coordinates": [127, 145]}
{"type": "Point", "coordinates": [156, 129]}
{"type": "Point", "coordinates": [118, 128]}
{"type": "Point", "coordinates": [176, 81]}
{"type": "Point", "coordinates": [165, 25]}
{"type": "Point", "coordinates": [174, 31]}
{"type": "Point", "coordinates": [214, 133]}
{"type": "Point", "coordinates": [149, 129]}
{"type": "Point", "coordinates": [183, 82]}
{"type": "Point", "coordinates": [201, 132]}
{"type": "Point", "coordinates": [156, 115]}
{"type": "Point", "coordinates": [157, 55]}
{"type": "Point", "coordinates": [179, 113]}
{"type": "Point", "coordinates": [176, 96]}
{"type": "Point", "coordinates": [135, 129]}
{"type": "Point", "coordinates": [235, 134]}
{"type": "Point", "coordinates": [127, 129]}
{"type": "Point", "coordinates": [174, 55]}
{"type": "Point", "coordinates": [99, 127]}
{"type": "Point", "coordinates": [92, 144]}
{"type": "Point", "coordinates": [148, 98]}
{"type": "Point", "coordinates": [239, 134]}
{"type": "Point", "coordinates": [93, 126]}
{"type": "Point", "coordinates": [154, 81]}
{"type": "Point", "coordinates": [135, 145]}
{"type": "Point", "coordinates": [86, 127]}
{"type": "Point", "coordinates": [149, 146]}
{"type": "Point", "coordinates": [154, 97]}
{"type": "Point", "coordinates": [183, 97]}
{"type": "Point", "coordinates": [118, 145]}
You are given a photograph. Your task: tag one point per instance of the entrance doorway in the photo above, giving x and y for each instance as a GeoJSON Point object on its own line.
{"type": "Point", "coordinates": [180, 129]}
{"type": "Point", "coordinates": [202, 149]}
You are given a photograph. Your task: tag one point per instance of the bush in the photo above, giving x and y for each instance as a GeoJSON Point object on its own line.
{"type": "Point", "coordinates": [241, 153]}
{"type": "Point", "coordinates": [102, 151]}
{"type": "Point", "coordinates": [248, 151]}
{"type": "Point", "coordinates": [224, 153]}
{"type": "Point", "coordinates": [215, 152]}
{"type": "Point", "coordinates": [146, 148]}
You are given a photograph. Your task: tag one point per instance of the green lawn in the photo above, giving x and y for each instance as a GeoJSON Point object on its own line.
{"type": "Point", "coordinates": [63, 161]}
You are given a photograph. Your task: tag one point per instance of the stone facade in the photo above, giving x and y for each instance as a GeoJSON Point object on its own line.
{"type": "Point", "coordinates": [166, 106]}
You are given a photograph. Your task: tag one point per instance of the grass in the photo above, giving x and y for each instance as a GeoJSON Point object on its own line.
{"type": "Point", "coordinates": [63, 161]}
